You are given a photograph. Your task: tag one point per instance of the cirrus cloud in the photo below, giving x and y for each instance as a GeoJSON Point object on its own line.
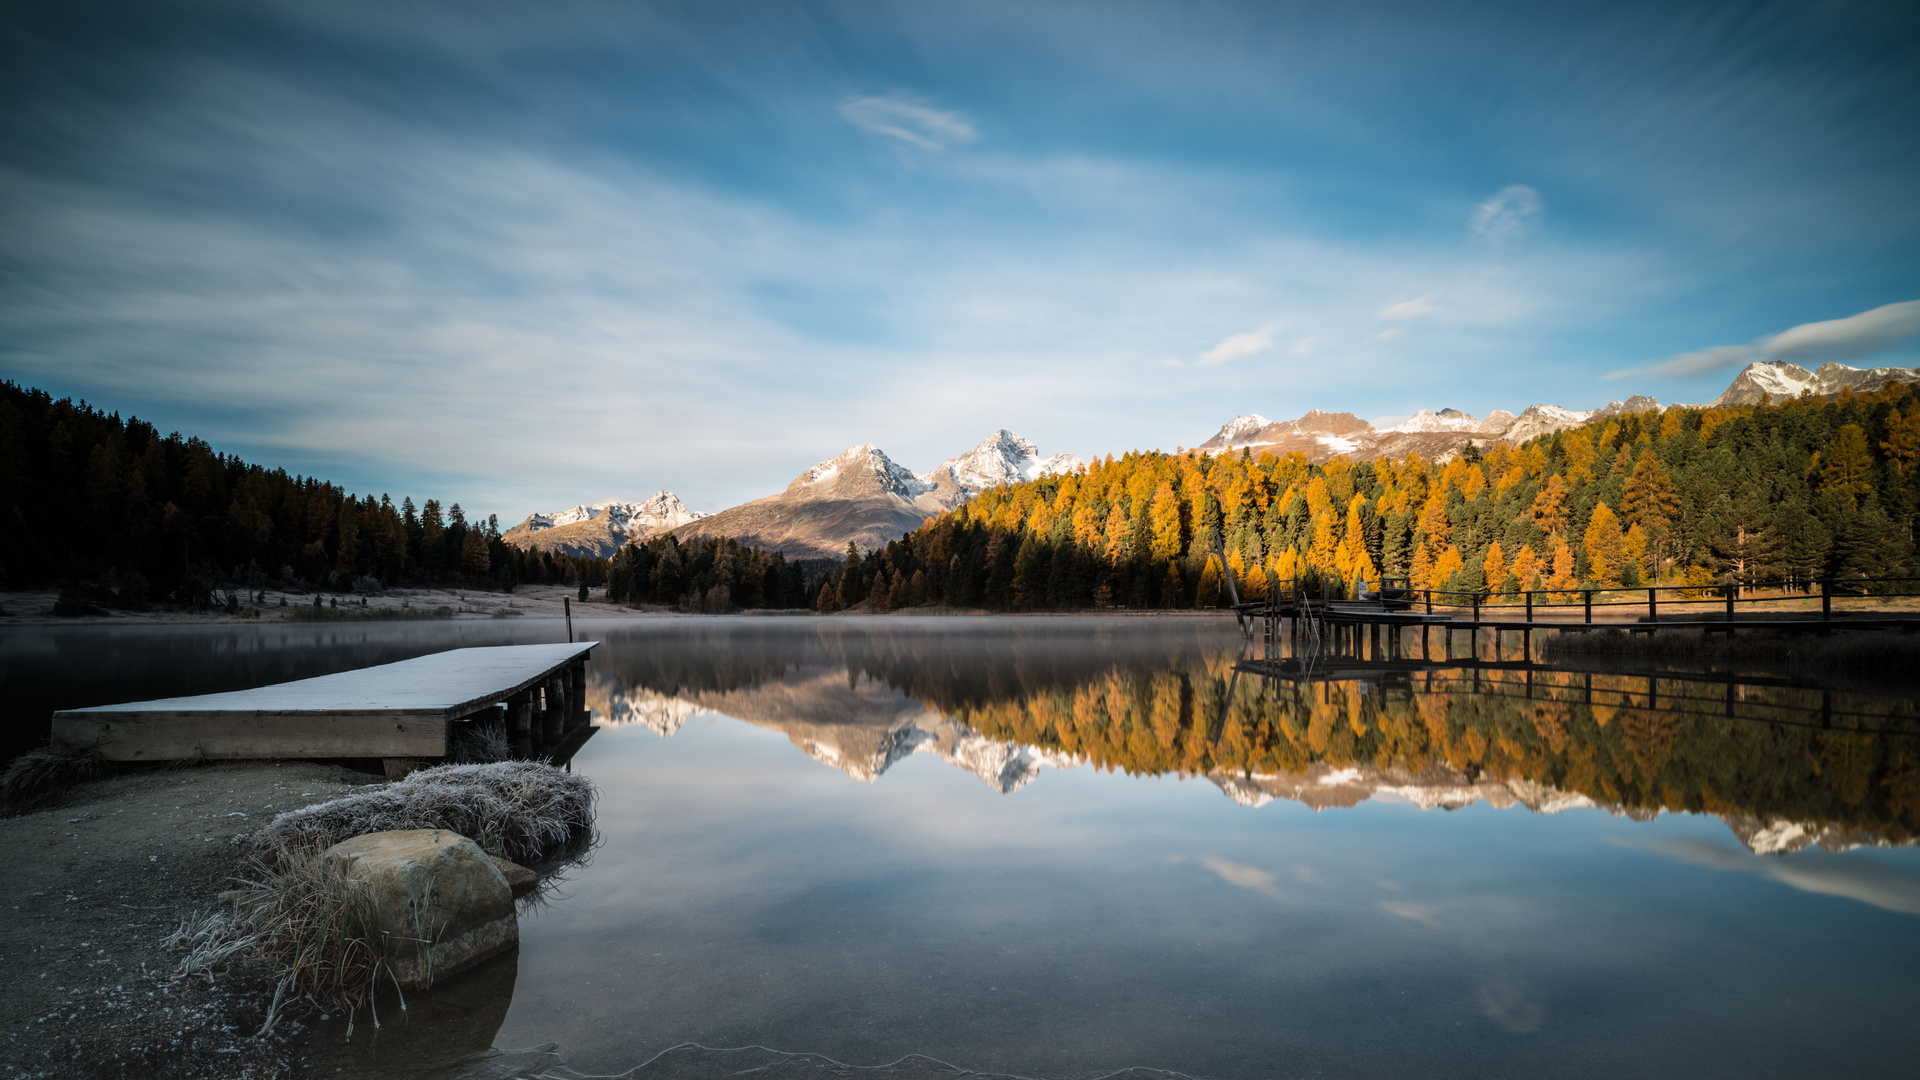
{"type": "Point", "coordinates": [909, 122]}
{"type": "Point", "coordinates": [1238, 347]}
{"type": "Point", "coordinates": [1511, 214]}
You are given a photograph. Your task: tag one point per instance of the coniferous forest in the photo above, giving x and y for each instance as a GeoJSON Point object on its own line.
{"type": "Point", "coordinates": [1795, 492]}
{"type": "Point", "coordinates": [131, 516]}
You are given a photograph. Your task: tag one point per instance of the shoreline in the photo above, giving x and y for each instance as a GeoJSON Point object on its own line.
{"type": "Point", "coordinates": [99, 878]}
{"type": "Point", "coordinates": [33, 607]}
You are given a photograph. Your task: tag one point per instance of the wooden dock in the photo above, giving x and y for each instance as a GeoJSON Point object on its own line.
{"type": "Point", "coordinates": [404, 712]}
{"type": "Point", "coordinates": [1389, 606]}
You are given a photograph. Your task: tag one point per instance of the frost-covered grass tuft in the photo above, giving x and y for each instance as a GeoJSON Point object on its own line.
{"type": "Point", "coordinates": [307, 922]}
{"type": "Point", "coordinates": [518, 810]}
{"type": "Point", "coordinates": [39, 776]}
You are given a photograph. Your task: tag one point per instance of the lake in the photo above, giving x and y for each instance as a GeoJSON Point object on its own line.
{"type": "Point", "coordinates": [1064, 847]}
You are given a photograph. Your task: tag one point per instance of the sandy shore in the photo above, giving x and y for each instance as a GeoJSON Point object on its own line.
{"type": "Point", "coordinates": [34, 607]}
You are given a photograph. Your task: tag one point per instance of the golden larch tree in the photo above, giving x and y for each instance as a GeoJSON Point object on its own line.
{"type": "Point", "coordinates": [1606, 545]}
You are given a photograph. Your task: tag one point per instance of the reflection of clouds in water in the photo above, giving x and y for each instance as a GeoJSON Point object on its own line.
{"type": "Point", "coordinates": [1407, 909]}
{"type": "Point", "coordinates": [1247, 877]}
{"type": "Point", "coordinates": [1816, 872]}
{"type": "Point", "coordinates": [1510, 1003]}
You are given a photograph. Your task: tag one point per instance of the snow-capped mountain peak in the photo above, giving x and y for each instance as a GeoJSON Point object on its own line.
{"type": "Point", "coordinates": [1444, 420]}
{"type": "Point", "coordinates": [661, 510]}
{"type": "Point", "coordinates": [1001, 458]}
{"type": "Point", "coordinates": [1241, 426]}
{"type": "Point", "coordinates": [859, 466]}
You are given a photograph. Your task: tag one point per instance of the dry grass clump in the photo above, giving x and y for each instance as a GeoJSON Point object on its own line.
{"type": "Point", "coordinates": [518, 810]}
{"type": "Point", "coordinates": [480, 742]}
{"type": "Point", "coordinates": [305, 920]}
{"type": "Point", "coordinates": [38, 776]}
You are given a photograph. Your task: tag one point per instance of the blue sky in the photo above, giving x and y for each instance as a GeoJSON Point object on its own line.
{"type": "Point", "coordinates": [523, 256]}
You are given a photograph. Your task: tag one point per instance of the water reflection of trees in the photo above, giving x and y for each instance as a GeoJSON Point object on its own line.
{"type": "Point", "coordinates": [1602, 736]}
{"type": "Point", "coordinates": [1157, 699]}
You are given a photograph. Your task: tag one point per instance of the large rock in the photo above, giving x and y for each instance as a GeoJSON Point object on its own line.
{"type": "Point", "coordinates": [440, 905]}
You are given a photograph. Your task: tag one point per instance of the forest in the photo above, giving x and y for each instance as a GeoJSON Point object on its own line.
{"type": "Point", "coordinates": [127, 517]}
{"type": "Point", "coordinates": [1792, 492]}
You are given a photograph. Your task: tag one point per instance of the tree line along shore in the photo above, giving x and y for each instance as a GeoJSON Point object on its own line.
{"type": "Point", "coordinates": [123, 517]}
{"type": "Point", "coordinates": [1702, 498]}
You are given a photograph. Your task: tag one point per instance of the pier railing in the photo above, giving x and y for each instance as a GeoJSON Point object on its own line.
{"type": "Point", "coordinates": [1691, 601]}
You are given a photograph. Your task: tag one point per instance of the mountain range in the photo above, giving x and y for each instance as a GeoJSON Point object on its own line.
{"type": "Point", "coordinates": [862, 497]}
{"type": "Point", "coordinates": [603, 528]}
{"type": "Point", "coordinates": [859, 496]}
{"type": "Point", "coordinates": [1439, 436]}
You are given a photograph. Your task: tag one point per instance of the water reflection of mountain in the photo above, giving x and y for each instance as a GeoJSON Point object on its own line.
{"type": "Point", "coordinates": [1162, 699]}
{"type": "Point", "coordinates": [862, 729]}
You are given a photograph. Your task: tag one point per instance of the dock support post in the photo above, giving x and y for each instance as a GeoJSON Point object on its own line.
{"type": "Point", "coordinates": [520, 709]}
{"type": "Point", "coordinates": [1588, 593]}
{"type": "Point", "coordinates": [577, 697]}
{"type": "Point", "coordinates": [1653, 605]}
{"type": "Point", "coordinates": [553, 719]}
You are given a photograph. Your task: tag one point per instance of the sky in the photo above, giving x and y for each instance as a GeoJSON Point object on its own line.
{"type": "Point", "coordinates": [525, 256]}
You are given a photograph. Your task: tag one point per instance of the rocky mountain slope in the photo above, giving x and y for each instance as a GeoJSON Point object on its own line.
{"type": "Point", "coordinates": [863, 497]}
{"type": "Point", "coordinates": [601, 529]}
{"type": "Point", "coordinates": [1776, 380]}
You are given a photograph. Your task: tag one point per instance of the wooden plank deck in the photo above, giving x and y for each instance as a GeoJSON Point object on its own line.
{"type": "Point", "coordinates": [399, 710]}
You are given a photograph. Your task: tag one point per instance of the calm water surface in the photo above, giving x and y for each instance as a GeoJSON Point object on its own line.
{"type": "Point", "coordinates": [1063, 847]}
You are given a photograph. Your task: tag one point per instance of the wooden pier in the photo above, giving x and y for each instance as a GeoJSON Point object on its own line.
{"type": "Point", "coordinates": [1371, 621]}
{"type": "Point", "coordinates": [404, 712]}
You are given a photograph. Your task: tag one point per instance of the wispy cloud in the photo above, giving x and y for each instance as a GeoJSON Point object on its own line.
{"type": "Point", "coordinates": [1410, 309]}
{"type": "Point", "coordinates": [1850, 338]}
{"type": "Point", "coordinates": [1238, 347]}
{"type": "Point", "coordinates": [1846, 876]}
{"type": "Point", "coordinates": [909, 122]}
{"type": "Point", "coordinates": [1512, 213]}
